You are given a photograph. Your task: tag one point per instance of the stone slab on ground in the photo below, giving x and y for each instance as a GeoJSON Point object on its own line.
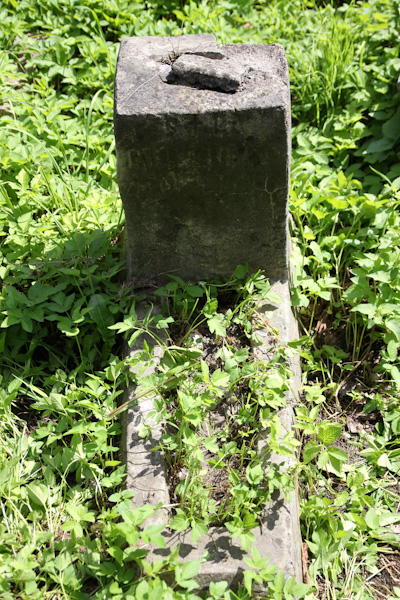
{"type": "Point", "coordinates": [279, 537]}
{"type": "Point", "coordinates": [203, 144]}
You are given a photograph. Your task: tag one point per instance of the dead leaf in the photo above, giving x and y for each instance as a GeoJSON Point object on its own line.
{"type": "Point", "coordinates": [353, 426]}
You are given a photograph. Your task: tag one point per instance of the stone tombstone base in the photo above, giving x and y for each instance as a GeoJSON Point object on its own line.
{"type": "Point", "coordinates": [203, 152]}
{"type": "Point", "coordinates": [278, 538]}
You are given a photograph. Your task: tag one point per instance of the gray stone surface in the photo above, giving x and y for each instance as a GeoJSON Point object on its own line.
{"type": "Point", "coordinates": [203, 173]}
{"type": "Point", "coordinates": [279, 537]}
{"type": "Point", "coordinates": [145, 469]}
{"type": "Point", "coordinates": [206, 73]}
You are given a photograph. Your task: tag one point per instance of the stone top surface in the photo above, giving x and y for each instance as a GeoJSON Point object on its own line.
{"type": "Point", "coordinates": [192, 73]}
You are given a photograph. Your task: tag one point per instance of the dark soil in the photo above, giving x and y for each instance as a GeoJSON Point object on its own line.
{"type": "Point", "coordinates": [216, 480]}
{"type": "Point", "coordinates": [388, 576]}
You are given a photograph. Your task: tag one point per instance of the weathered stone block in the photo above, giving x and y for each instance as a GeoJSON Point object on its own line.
{"type": "Point", "coordinates": [203, 151]}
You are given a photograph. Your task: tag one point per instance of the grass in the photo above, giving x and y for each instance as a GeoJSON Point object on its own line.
{"type": "Point", "coordinates": [66, 529]}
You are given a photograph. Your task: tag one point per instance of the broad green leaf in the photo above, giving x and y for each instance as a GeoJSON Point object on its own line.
{"type": "Point", "coordinates": [388, 308]}
{"type": "Point", "coordinates": [334, 464]}
{"type": "Point", "coordinates": [337, 203]}
{"type": "Point", "coordinates": [220, 379]}
{"type": "Point", "coordinates": [372, 518]}
{"type": "Point", "coordinates": [394, 326]}
{"type": "Point", "coordinates": [217, 588]}
{"type": "Point", "coordinates": [323, 459]}
{"type": "Point", "coordinates": [180, 522]}
{"type": "Point", "coordinates": [80, 513]}
{"type": "Point", "coordinates": [379, 145]}
{"type": "Point", "coordinates": [310, 451]}
{"type": "Point", "coordinates": [138, 515]}
{"type": "Point", "coordinates": [189, 570]}
{"type": "Point", "coordinates": [195, 291]}
{"type": "Point", "coordinates": [300, 590]}
{"type": "Point", "coordinates": [133, 337]}
{"type": "Point", "coordinates": [384, 461]}
{"type": "Point", "coordinates": [341, 498]}
{"type": "Point", "coordinates": [158, 539]}
{"type": "Point", "coordinates": [254, 475]}
{"type": "Point", "coordinates": [134, 553]}
{"type": "Point", "coordinates": [395, 373]}
{"type": "Point", "coordinates": [199, 528]}
{"type": "Point", "coordinates": [391, 127]}
{"type": "Point", "coordinates": [247, 539]}
{"type": "Point", "coordinates": [392, 349]}
{"type": "Point", "coordinates": [241, 271]}
{"type": "Point", "coordinates": [249, 520]}
{"type": "Point", "coordinates": [241, 355]}
{"type": "Point", "coordinates": [289, 585]}
{"type": "Point", "coordinates": [26, 323]}
{"type": "Point", "coordinates": [38, 493]}
{"type": "Point", "coordinates": [205, 370]}
{"type": "Point", "coordinates": [68, 327]}
{"type": "Point", "coordinates": [366, 309]}
{"type": "Point", "coordinates": [383, 275]}
{"type": "Point", "coordinates": [338, 454]}
{"type": "Point", "coordinates": [100, 314]}
{"type": "Point", "coordinates": [116, 553]}
{"type": "Point", "coordinates": [329, 433]}
{"type": "Point", "coordinates": [396, 184]}
{"type": "Point", "coordinates": [164, 323]}
{"type": "Point", "coordinates": [211, 445]}
{"type": "Point", "coordinates": [279, 581]}
{"type": "Point", "coordinates": [317, 251]}
{"type": "Point", "coordinates": [342, 181]}
{"type": "Point", "coordinates": [249, 577]}
{"type": "Point", "coordinates": [359, 290]}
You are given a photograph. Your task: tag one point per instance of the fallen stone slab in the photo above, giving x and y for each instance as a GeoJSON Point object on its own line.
{"type": "Point", "coordinates": [278, 538]}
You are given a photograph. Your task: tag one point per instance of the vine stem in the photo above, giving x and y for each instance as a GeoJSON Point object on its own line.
{"type": "Point", "coordinates": [145, 392]}
{"type": "Point", "coordinates": [137, 397]}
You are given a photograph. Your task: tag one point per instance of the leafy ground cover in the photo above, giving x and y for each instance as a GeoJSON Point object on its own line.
{"type": "Point", "coordinates": [66, 529]}
{"type": "Point", "coordinates": [215, 400]}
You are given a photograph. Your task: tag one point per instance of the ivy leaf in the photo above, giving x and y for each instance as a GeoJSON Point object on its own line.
{"type": "Point", "coordinates": [216, 325]}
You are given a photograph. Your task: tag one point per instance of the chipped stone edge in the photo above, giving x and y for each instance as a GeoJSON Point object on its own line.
{"type": "Point", "coordinates": [279, 538]}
